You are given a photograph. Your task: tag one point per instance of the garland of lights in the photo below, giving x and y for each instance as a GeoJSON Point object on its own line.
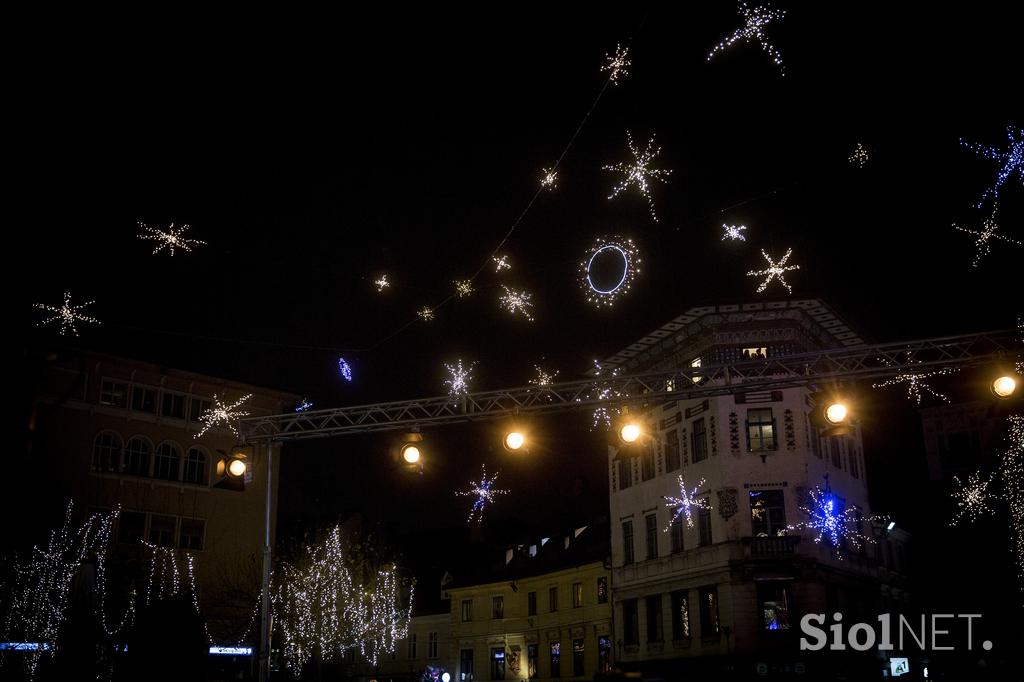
{"type": "Point", "coordinates": [832, 523]}
{"type": "Point", "coordinates": [169, 238]}
{"type": "Point", "coordinates": [988, 231]}
{"type": "Point", "coordinates": [484, 493]}
{"type": "Point", "coordinates": [774, 270]}
{"type": "Point", "coordinates": [756, 19]}
{"type": "Point", "coordinates": [639, 172]}
{"type": "Point", "coordinates": [222, 414]}
{"type": "Point", "coordinates": [458, 381]}
{"type": "Point", "coordinates": [684, 504]}
{"type": "Point", "coordinates": [1012, 160]}
{"type": "Point", "coordinates": [627, 250]}
{"type": "Point", "coordinates": [66, 314]}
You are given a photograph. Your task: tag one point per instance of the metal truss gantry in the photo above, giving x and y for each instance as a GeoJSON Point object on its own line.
{"type": "Point", "coordinates": [864, 362]}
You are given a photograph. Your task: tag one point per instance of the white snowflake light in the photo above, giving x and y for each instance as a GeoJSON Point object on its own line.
{"type": "Point", "coordinates": [458, 381]}
{"type": "Point", "coordinates": [66, 315]}
{"type": "Point", "coordinates": [915, 383]}
{"type": "Point", "coordinates": [543, 378]}
{"type": "Point", "coordinates": [483, 492]}
{"type": "Point", "coordinates": [684, 504]}
{"type": "Point", "coordinates": [607, 293]}
{"type": "Point", "coordinates": [222, 414]}
{"type": "Point", "coordinates": [169, 239]}
{"type": "Point", "coordinates": [988, 232]}
{"type": "Point", "coordinates": [618, 64]}
{"type": "Point", "coordinates": [972, 498]}
{"type": "Point", "coordinates": [1012, 160]}
{"type": "Point", "coordinates": [549, 178]}
{"type": "Point", "coordinates": [774, 270]}
{"type": "Point", "coordinates": [859, 157]}
{"type": "Point", "coordinates": [382, 283]}
{"type": "Point", "coordinates": [602, 391]}
{"type": "Point", "coordinates": [501, 263]}
{"type": "Point", "coordinates": [756, 19]}
{"type": "Point", "coordinates": [426, 313]}
{"type": "Point", "coordinates": [463, 287]}
{"type": "Point", "coordinates": [516, 302]}
{"type": "Point", "coordinates": [638, 173]}
{"type": "Point", "coordinates": [734, 232]}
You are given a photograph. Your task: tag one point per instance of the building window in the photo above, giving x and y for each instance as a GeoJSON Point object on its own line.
{"type": "Point", "coordinates": [106, 453]}
{"type": "Point", "coordinates": [604, 654]}
{"type": "Point", "coordinates": [196, 408]}
{"type": "Point", "coordinates": [531, 660]}
{"type": "Point", "coordinates": [708, 611]}
{"type": "Point", "coordinates": [760, 430]}
{"type": "Point", "coordinates": [654, 633]}
{"type": "Point", "coordinates": [854, 463]}
{"type": "Point", "coordinates": [680, 615]}
{"type": "Point", "coordinates": [465, 665]}
{"type": "Point", "coordinates": [195, 467]}
{"type": "Point", "coordinates": [498, 664]}
{"type": "Point", "coordinates": [676, 534]}
{"type": "Point", "coordinates": [699, 440]}
{"type": "Point", "coordinates": [651, 531]}
{"type": "Point", "coordinates": [577, 595]}
{"type": "Point", "coordinates": [755, 353]}
{"type": "Point", "coordinates": [602, 590]}
{"type": "Point", "coordinates": [627, 542]}
{"type": "Point", "coordinates": [432, 645]}
{"type": "Point", "coordinates": [647, 462]}
{"type": "Point", "coordinates": [767, 512]}
{"type": "Point", "coordinates": [167, 462]}
{"type": "Point", "coordinates": [144, 399]}
{"type": "Point", "coordinates": [773, 605]}
{"type": "Point", "coordinates": [191, 536]}
{"type": "Point", "coordinates": [577, 658]}
{"type": "Point", "coordinates": [467, 610]}
{"type": "Point", "coordinates": [412, 645]}
{"type": "Point", "coordinates": [672, 459]}
{"type": "Point", "coordinates": [531, 604]}
{"type": "Point", "coordinates": [161, 530]}
{"type": "Point", "coordinates": [131, 527]}
{"type": "Point", "coordinates": [173, 406]}
{"type": "Point", "coordinates": [704, 523]}
{"type": "Point", "coordinates": [625, 474]}
{"type": "Point", "coordinates": [552, 599]}
{"type": "Point", "coordinates": [630, 623]}
{"type": "Point", "coordinates": [556, 659]}
{"type": "Point", "coordinates": [113, 393]}
{"type": "Point", "coordinates": [136, 457]}
{"type": "Point", "coordinates": [835, 450]}
{"type": "Point", "coordinates": [497, 607]}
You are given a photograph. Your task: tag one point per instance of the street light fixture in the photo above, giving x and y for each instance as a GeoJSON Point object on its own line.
{"type": "Point", "coordinates": [630, 432]}
{"type": "Point", "coordinates": [514, 440]}
{"type": "Point", "coordinates": [835, 413]}
{"type": "Point", "coordinates": [1004, 386]}
{"type": "Point", "coordinates": [410, 453]}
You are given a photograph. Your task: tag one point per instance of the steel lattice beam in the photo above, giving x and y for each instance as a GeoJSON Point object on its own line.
{"type": "Point", "coordinates": [866, 362]}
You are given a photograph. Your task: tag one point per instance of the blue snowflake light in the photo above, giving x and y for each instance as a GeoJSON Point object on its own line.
{"type": "Point", "coordinates": [1012, 160]}
{"type": "Point", "coordinates": [303, 405]}
{"type": "Point", "coordinates": [345, 369]}
{"type": "Point", "coordinates": [832, 522]}
{"type": "Point", "coordinates": [484, 492]}
{"type": "Point", "coordinates": [684, 504]}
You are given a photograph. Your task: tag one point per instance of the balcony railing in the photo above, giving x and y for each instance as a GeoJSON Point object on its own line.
{"type": "Point", "coordinates": [771, 546]}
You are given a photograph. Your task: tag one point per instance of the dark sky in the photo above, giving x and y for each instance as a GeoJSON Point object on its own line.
{"type": "Point", "coordinates": [313, 153]}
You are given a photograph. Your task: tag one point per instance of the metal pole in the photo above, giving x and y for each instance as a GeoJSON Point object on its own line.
{"type": "Point", "coordinates": [264, 673]}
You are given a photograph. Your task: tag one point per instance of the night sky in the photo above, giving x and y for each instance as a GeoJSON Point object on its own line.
{"type": "Point", "coordinates": [314, 153]}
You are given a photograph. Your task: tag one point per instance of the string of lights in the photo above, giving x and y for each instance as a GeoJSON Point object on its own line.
{"type": "Point", "coordinates": [987, 233]}
{"type": "Point", "coordinates": [915, 383]}
{"type": "Point", "coordinates": [1011, 160]}
{"type": "Point", "coordinates": [755, 20]}
{"type": "Point", "coordinates": [171, 238]}
{"type": "Point", "coordinates": [66, 315]}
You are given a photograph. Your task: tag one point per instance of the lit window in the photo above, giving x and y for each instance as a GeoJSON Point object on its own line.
{"type": "Point", "coordinates": [498, 663]}
{"type": "Point", "coordinates": [760, 430]}
{"type": "Point", "coordinates": [556, 659]}
{"type": "Point", "coordinates": [708, 611]}
{"type": "Point", "coordinates": [755, 353]}
{"type": "Point", "coordinates": [680, 615]}
{"type": "Point", "coordinates": [773, 604]}
{"type": "Point", "coordinates": [767, 512]}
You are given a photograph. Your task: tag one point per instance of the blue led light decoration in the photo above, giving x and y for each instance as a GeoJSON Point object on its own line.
{"type": "Point", "coordinates": [345, 369]}
{"type": "Point", "coordinates": [684, 504]}
{"type": "Point", "coordinates": [1011, 160]}
{"type": "Point", "coordinates": [605, 294]}
{"type": "Point", "coordinates": [484, 492]}
{"type": "Point", "coordinates": [833, 523]}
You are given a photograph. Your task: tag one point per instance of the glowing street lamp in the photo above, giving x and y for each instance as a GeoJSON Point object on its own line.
{"type": "Point", "coordinates": [514, 440]}
{"type": "Point", "coordinates": [629, 432]}
{"type": "Point", "coordinates": [835, 413]}
{"type": "Point", "coordinates": [1004, 386]}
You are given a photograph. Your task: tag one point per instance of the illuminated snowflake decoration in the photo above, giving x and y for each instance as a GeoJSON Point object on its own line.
{"type": "Point", "coordinates": [972, 498]}
{"type": "Point", "coordinates": [501, 263]}
{"type": "Point", "coordinates": [603, 415]}
{"type": "Point", "coordinates": [549, 178]}
{"type": "Point", "coordinates": [639, 173]}
{"type": "Point", "coordinates": [463, 288]}
{"type": "Point", "coordinates": [67, 315]}
{"type": "Point", "coordinates": [382, 283]}
{"type": "Point", "coordinates": [734, 232]}
{"type": "Point", "coordinates": [426, 313]}
{"type": "Point", "coordinates": [1011, 160]}
{"type": "Point", "coordinates": [683, 505]}
{"type": "Point", "coordinates": [774, 271]}
{"type": "Point", "coordinates": [756, 19]}
{"type": "Point", "coordinates": [304, 405]}
{"type": "Point", "coordinates": [859, 157]}
{"type": "Point", "coordinates": [832, 523]}
{"type": "Point", "coordinates": [915, 383]}
{"type": "Point", "coordinates": [483, 492]}
{"type": "Point", "coordinates": [222, 414]}
{"type": "Point", "coordinates": [543, 378]}
{"type": "Point", "coordinates": [345, 369]}
{"type": "Point", "coordinates": [169, 239]}
{"type": "Point", "coordinates": [606, 294]}
{"type": "Point", "coordinates": [516, 302]}
{"type": "Point", "coordinates": [618, 64]}
{"type": "Point", "coordinates": [987, 233]}
{"type": "Point", "coordinates": [459, 376]}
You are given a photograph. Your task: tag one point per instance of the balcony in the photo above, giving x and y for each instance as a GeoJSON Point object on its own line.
{"type": "Point", "coordinates": [770, 546]}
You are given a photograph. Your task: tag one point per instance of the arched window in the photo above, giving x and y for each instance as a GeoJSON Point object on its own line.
{"type": "Point", "coordinates": [136, 456]}
{"type": "Point", "coordinates": [167, 465]}
{"type": "Point", "coordinates": [195, 467]}
{"type": "Point", "coordinates": [106, 453]}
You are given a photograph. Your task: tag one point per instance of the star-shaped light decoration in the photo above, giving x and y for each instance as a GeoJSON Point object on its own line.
{"type": "Point", "coordinates": [304, 405]}
{"type": "Point", "coordinates": [426, 313]}
{"type": "Point", "coordinates": [684, 504]}
{"type": "Point", "coordinates": [915, 382]}
{"type": "Point", "coordinates": [602, 391]}
{"type": "Point", "coordinates": [459, 376]}
{"type": "Point", "coordinates": [618, 64]}
{"type": "Point", "coordinates": [756, 19]}
{"type": "Point", "coordinates": [543, 378]}
{"type": "Point", "coordinates": [1012, 160]}
{"type": "Point", "coordinates": [639, 173]}
{"type": "Point", "coordinates": [463, 288]}
{"type": "Point", "coordinates": [222, 414]}
{"type": "Point", "coordinates": [859, 157]}
{"type": "Point", "coordinates": [169, 239]}
{"type": "Point", "coordinates": [483, 492]}
{"type": "Point", "coordinates": [66, 315]}
{"type": "Point", "coordinates": [734, 232]}
{"type": "Point", "coordinates": [987, 232]}
{"type": "Point", "coordinates": [501, 263]}
{"type": "Point", "coordinates": [833, 523]}
{"type": "Point", "coordinates": [382, 282]}
{"type": "Point", "coordinates": [549, 178]}
{"type": "Point", "coordinates": [516, 302]}
{"type": "Point", "coordinates": [774, 270]}
{"type": "Point", "coordinates": [972, 498]}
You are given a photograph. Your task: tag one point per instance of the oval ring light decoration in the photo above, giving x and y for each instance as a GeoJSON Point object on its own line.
{"type": "Point", "coordinates": [626, 249]}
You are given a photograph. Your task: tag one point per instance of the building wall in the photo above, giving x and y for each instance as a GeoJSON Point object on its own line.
{"type": "Point", "coordinates": [411, 661]}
